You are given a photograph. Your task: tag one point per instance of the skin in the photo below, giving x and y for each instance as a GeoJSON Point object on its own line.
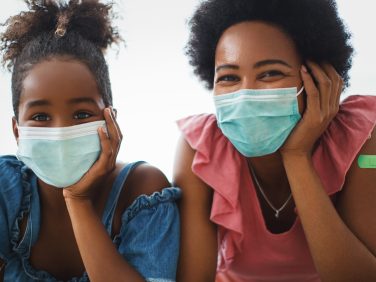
{"type": "Point", "coordinates": [257, 55]}
{"type": "Point", "coordinates": [58, 93]}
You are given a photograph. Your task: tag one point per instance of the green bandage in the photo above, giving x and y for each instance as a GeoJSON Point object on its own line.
{"type": "Point", "coordinates": [367, 161]}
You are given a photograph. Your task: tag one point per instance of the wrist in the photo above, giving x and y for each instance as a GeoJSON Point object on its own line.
{"type": "Point", "coordinates": [296, 159]}
{"type": "Point", "coordinates": [70, 198]}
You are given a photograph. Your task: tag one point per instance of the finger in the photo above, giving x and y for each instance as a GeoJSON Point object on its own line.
{"type": "Point", "coordinates": [112, 129]}
{"type": "Point", "coordinates": [336, 87]}
{"type": "Point", "coordinates": [324, 86]}
{"type": "Point", "coordinates": [313, 96]}
{"type": "Point", "coordinates": [336, 83]}
{"type": "Point", "coordinates": [114, 136]}
{"type": "Point", "coordinates": [114, 115]}
{"type": "Point", "coordinates": [104, 162]}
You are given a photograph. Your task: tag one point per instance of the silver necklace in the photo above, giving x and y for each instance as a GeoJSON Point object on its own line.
{"type": "Point", "coordinates": [277, 211]}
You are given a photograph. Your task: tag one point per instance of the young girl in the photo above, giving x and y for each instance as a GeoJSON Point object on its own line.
{"type": "Point", "coordinates": [280, 183]}
{"type": "Point", "coordinates": [68, 210]}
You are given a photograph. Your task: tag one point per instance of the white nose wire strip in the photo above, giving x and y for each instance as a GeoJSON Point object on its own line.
{"type": "Point", "coordinates": [60, 133]}
{"type": "Point", "coordinates": [245, 97]}
{"type": "Point", "coordinates": [242, 98]}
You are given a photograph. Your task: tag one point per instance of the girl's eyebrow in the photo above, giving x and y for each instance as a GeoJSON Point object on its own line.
{"type": "Point", "coordinates": [82, 100]}
{"type": "Point", "coordinates": [270, 62]}
{"type": "Point", "coordinates": [37, 103]}
{"type": "Point", "coordinates": [226, 66]}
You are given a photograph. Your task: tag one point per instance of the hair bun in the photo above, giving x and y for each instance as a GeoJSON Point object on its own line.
{"type": "Point", "coordinates": [89, 18]}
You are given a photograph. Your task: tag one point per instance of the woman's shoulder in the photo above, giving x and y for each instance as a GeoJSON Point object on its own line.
{"type": "Point", "coordinates": [198, 127]}
{"type": "Point", "coordinates": [343, 140]}
{"type": "Point", "coordinates": [361, 106]}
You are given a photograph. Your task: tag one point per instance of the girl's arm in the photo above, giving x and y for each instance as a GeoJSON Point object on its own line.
{"type": "Point", "coordinates": [2, 270]}
{"type": "Point", "coordinates": [198, 245]}
{"type": "Point", "coordinates": [101, 259]}
{"type": "Point", "coordinates": [342, 249]}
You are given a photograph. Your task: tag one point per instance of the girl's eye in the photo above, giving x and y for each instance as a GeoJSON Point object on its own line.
{"type": "Point", "coordinates": [270, 74]}
{"type": "Point", "coordinates": [227, 78]}
{"type": "Point", "coordinates": [41, 117]}
{"type": "Point", "coordinates": [82, 115]}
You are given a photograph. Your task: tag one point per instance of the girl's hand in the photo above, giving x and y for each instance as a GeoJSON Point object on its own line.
{"type": "Point", "coordinates": [110, 145]}
{"type": "Point", "coordinates": [322, 105]}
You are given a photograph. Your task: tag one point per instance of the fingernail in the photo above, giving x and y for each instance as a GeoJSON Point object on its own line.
{"type": "Point", "coordinates": [304, 69]}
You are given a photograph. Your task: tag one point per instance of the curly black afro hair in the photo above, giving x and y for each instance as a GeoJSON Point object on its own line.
{"type": "Point", "coordinates": [78, 29]}
{"type": "Point", "coordinates": [314, 25]}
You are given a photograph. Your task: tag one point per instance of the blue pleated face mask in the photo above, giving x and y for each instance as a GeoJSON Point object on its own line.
{"type": "Point", "coordinates": [60, 156]}
{"type": "Point", "coordinates": [258, 121]}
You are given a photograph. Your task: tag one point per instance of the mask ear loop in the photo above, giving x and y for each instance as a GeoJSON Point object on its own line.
{"type": "Point", "coordinates": [300, 91]}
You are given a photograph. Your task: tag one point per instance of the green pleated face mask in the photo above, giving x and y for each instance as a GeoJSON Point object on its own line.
{"type": "Point", "coordinates": [60, 156]}
{"type": "Point", "coordinates": [258, 121]}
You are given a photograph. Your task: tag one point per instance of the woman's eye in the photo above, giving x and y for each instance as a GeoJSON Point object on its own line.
{"type": "Point", "coordinates": [228, 78]}
{"type": "Point", "coordinates": [41, 117]}
{"type": "Point", "coordinates": [269, 74]}
{"type": "Point", "coordinates": [82, 115]}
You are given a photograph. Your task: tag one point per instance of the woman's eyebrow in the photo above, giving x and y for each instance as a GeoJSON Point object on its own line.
{"type": "Point", "coordinates": [270, 62]}
{"type": "Point", "coordinates": [226, 66]}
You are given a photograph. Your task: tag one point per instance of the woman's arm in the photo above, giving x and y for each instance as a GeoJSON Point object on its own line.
{"type": "Point", "coordinates": [198, 245]}
{"type": "Point", "coordinates": [342, 249]}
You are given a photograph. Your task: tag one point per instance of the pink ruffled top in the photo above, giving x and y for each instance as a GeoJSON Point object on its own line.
{"type": "Point", "coordinates": [247, 250]}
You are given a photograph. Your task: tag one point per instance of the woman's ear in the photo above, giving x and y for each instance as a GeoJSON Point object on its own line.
{"type": "Point", "coordinates": [115, 112]}
{"type": "Point", "coordinates": [15, 128]}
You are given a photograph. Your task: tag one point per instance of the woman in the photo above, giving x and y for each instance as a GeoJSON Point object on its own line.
{"type": "Point", "coordinates": [68, 209]}
{"type": "Point", "coordinates": [271, 183]}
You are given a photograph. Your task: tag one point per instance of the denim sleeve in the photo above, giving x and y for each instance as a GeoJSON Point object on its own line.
{"type": "Point", "coordinates": [150, 234]}
{"type": "Point", "coordinates": [4, 232]}
{"type": "Point", "coordinates": [14, 201]}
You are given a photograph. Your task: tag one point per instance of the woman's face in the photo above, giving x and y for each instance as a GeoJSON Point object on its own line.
{"type": "Point", "coordinates": [59, 93]}
{"type": "Point", "coordinates": [256, 55]}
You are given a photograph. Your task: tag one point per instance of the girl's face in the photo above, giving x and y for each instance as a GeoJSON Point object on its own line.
{"type": "Point", "coordinates": [59, 93]}
{"type": "Point", "coordinates": [256, 55]}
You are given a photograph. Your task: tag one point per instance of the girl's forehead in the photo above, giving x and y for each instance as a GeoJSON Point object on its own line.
{"type": "Point", "coordinates": [59, 78]}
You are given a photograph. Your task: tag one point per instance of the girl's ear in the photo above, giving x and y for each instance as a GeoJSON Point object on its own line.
{"type": "Point", "coordinates": [15, 128]}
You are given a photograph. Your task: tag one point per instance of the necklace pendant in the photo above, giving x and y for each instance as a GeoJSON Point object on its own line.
{"type": "Point", "coordinates": [276, 214]}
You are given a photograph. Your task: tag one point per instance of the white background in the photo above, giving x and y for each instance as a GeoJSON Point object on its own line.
{"type": "Point", "coordinates": [153, 84]}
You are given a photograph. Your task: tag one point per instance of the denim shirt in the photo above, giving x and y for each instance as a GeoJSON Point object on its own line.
{"type": "Point", "coordinates": [148, 238]}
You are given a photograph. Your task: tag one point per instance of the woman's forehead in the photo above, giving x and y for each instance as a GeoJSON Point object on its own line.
{"type": "Point", "coordinates": [256, 40]}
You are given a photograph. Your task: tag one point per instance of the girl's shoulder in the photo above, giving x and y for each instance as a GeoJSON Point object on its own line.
{"type": "Point", "coordinates": [139, 186]}
{"type": "Point", "coordinates": [14, 176]}
{"type": "Point", "coordinates": [16, 199]}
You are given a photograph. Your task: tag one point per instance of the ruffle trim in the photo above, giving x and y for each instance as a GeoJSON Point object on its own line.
{"type": "Point", "coordinates": [18, 244]}
{"type": "Point", "coordinates": [170, 194]}
{"type": "Point", "coordinates": [355, 121]}
{"type": "Point", "coordinates": [201, 132]}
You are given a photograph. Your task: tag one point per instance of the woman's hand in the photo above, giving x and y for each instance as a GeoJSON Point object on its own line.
{"type": "Point", "coordinates": [110, 145]}
{"type": "Point", "coordinates": [322, 105]}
